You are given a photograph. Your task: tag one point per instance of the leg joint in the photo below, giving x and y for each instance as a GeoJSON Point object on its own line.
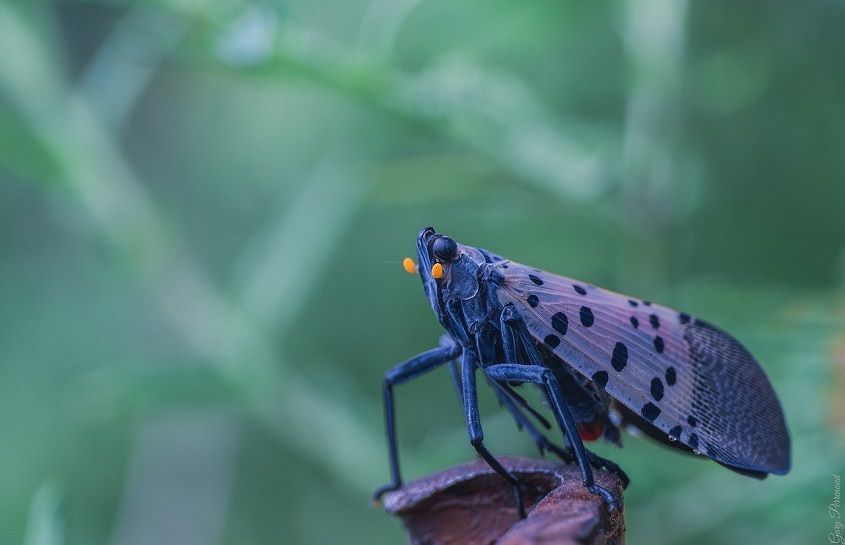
{"type": "Point", "coordinates": [509, 314]}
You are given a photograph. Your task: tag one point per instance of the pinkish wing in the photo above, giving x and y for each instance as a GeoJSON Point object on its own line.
{"type": "Point", "coordinates": [691, 380]}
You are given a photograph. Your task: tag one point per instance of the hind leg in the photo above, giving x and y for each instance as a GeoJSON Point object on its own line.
{"type": "Point", "coordinates": [540, 375]}
{"type": "Point", "coordinates": [544, 444]}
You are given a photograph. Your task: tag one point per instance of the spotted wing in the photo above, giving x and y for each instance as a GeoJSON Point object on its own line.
{"type": "Point", "coordinates": [689, 379]}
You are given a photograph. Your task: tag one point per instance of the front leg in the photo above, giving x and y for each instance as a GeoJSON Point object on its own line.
{"type": "Point", "coordinates": [403, 372]}
{"type": "Point", "coordinates": [538, 374]}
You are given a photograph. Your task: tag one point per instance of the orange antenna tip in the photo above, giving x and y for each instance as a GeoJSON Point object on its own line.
{"type": "Point", "coordinates": [437, 271]}
{"type": "Point", "coordinates": [409, 265]}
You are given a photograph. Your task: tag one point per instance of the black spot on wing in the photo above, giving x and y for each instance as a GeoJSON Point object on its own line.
{"type": "Point", "coordinates": [600, 378]}
{"type": "Point", "coordinates": [656, 389]}
{"type": "Point", "coordinates": [693, 441]}
{"type": "Point", "coordinates": [533, 301]}
{"type": "Point", "coordinates": [536, 279]}
{"type": "Point", "coordinates": [587, 317]}
{"type": "Point", "coordinates": [701, 358]}
{"type": "Point", "coordinates": [633, 303]}
{"type": "Point", "coordinates": [650, 411]}
{"type": "Point", "coordinates": [560, 322]}
{"type": "Point", "coordinates": [684, 318]}
{"type": "Point", "coordinates": [635, 322]}
{"type": "Point", "coordinates": [671, 376]}
{"type": "Point", "coordinates": [647, 303]}
{"type": "Point", "coordinates": [552, 340]}
{"type": "Point", "coordinates": [654, 321]}
{"type": "Point", "coordinates": [619, 359]}
{"type": "Point", "coordinates": [579, 289]}
{"type": "Point", "coordinates": [675, 433]}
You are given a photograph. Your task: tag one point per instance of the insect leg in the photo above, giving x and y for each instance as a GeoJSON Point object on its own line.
{"type": "Point", "coordinates": [398, 374]}
{"type": "Point", "coordinates": [508, 320]}
{"type": "Point", "coordinates": [612, 467]}
{"type": "Point", "coordinates": [523, 403]}
{"type": "Point", "coordinates": [476, 434]}
{"type": "Point", "coordinates": [523, 422]}
{"type": "Point", "coordinates": [514, 337]}
{"type": "Point", "coordinates": [540, 375]}
{"type": "Point", "coordinates": [543, 443]}
{"type": "Point", "coordinates": [512, 401]}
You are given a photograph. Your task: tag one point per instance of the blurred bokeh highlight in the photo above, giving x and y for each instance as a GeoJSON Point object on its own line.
{"type": "Point", "coordinates": [205, 205]}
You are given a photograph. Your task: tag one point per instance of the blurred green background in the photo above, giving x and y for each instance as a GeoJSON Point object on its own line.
{"type": "Point", "coordinates": [205, 205]}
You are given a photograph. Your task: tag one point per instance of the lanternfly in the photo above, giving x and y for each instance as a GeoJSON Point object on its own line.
{"type": "Point", "coordinates": [594, 353]}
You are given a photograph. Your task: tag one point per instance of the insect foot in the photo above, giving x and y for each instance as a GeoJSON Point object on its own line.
{"type": "Point", "coordinates": [605, 494]}
{"type": "Point", "coordinates": [375, 500]}
{"type": "Point", "coordinates": [470, 504]}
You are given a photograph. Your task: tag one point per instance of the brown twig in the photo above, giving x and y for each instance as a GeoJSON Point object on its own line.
{"type": "Point", "coordinates": [469, 504]}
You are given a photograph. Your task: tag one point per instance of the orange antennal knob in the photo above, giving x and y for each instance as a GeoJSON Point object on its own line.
{"type": "Point", "coordinates": [409, 265]}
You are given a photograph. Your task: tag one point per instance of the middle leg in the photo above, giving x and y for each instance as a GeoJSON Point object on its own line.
{"type": "Point", "coordinates": [476, 434]}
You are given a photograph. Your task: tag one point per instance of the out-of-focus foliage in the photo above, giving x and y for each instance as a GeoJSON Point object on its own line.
{"type": "Point", "coordinates": [204, 206]}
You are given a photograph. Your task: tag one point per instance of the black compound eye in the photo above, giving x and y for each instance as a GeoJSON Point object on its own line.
{"type": "Point", "coordinates": [444, 248]}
